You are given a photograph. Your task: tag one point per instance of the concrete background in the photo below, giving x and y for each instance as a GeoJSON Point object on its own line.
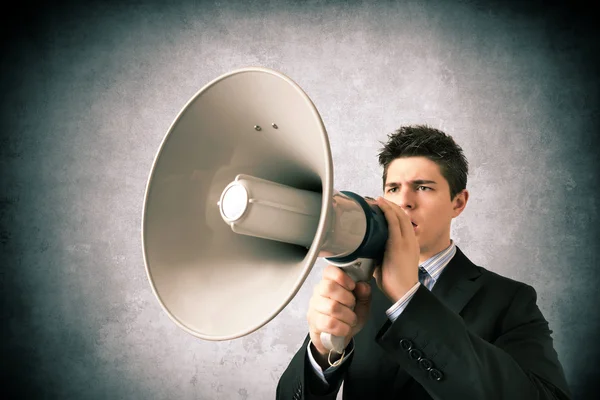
{"type": "Point", "coordinates": [89, 91]}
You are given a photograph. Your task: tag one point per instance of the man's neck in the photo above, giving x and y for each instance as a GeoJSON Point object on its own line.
{"type": "Point", "coordinates": [427, 254]}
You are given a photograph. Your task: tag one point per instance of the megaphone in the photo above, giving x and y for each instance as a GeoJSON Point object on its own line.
{"type": "Point", "coordinates": [240, 203]}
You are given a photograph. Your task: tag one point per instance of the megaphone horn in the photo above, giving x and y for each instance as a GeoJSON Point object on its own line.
{"type": "Point", "coordinates": [240, 203]}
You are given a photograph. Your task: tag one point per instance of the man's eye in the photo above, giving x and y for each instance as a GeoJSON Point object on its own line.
{"type": "Point", "coordinates": [391, 190]}
{"type": "Point", "coordinates": [423, 188]}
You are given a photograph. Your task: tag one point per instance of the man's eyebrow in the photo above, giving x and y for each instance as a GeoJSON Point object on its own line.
{"type": "Point", "coordinates": [415, 182]}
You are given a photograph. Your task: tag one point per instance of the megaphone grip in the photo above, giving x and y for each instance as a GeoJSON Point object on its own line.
{"type": "Point", "coordinates": [335, 343]}
{"type": "Point", "coordinates": [360, 270]}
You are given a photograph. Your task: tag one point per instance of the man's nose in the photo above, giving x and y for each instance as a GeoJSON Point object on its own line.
{"type": "Point", "coordinates": [406, 200]}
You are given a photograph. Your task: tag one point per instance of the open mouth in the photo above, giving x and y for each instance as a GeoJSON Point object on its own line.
{"type": "Point", "coordinates": [413, 224]}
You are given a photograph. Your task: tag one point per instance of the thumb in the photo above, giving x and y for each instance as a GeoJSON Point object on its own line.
{"type": "Point", "coordinates": [362, 292]}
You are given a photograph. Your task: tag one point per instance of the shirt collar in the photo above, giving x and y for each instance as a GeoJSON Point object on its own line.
{"type": "Point", "coordinates": [436, 264]}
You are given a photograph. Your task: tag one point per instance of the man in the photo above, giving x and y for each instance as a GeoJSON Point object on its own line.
{"type": "Point", "coordinates": [433, 325]}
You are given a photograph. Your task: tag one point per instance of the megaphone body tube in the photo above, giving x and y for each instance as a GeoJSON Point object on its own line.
{"type": "Point", "coordinates": [269, 210]}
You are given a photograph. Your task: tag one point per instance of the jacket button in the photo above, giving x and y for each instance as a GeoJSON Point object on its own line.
{"type": "Point", "coordinates": [405, 344]}
{"type": "Point", "coordinates": [415, 354]}
{"type": "Point", "coordinates": [425, 364]}
{"type": "Point", "coordinates": [435, 374]}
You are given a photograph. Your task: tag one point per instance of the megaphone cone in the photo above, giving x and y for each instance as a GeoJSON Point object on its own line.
{"type": "Point", "coordinates": [240, 203]}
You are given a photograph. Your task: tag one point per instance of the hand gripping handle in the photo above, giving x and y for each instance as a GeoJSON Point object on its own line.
{"type": "Point", "coordinates": [360, 270]}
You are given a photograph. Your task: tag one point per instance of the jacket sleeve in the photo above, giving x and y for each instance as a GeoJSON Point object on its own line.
{"type": "Point", "coordinates": [433, 345]}
{"type": "Point", "coordinates": [299, 381]}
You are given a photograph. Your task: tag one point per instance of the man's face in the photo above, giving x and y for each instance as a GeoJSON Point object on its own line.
{"type": "Point", "coordinates": [416, 184]}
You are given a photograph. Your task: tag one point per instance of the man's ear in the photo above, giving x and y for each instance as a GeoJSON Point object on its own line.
{"type": "Point", "coordinates": [459, 202]}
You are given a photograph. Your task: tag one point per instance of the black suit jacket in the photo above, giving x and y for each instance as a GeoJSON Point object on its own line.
{"type": "Point", "coordinates": [476, 335]}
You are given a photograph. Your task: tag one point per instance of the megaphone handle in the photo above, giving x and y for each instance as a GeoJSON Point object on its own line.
{"type": "Point", "coordinates": [360, 270]}
{"type": "Point", "coordinates": [335, 343]}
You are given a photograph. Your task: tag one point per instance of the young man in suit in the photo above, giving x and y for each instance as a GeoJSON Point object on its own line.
{"type": "Point", "coordinates": [431, 324]}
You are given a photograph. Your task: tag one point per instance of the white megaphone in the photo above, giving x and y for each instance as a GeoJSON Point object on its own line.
{"type": "Point", "coordinates": [240, 203]}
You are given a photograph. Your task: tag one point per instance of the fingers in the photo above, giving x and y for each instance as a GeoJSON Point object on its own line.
{"type": "Point", "coordinates": [396, 214]}
{"type": "Point", "coordinates": [332, 303]}
{"type": "Point", "coordinates": [363, 304]}
{"type": "Point", "coordinates": [405, 224]}
{"type": "Point", "coordinates": [332, 290]}
{"type": "Point", "coordinates": [327, 315]}
{"type": "Point", "coordinates": [393, 222]}
{"type": "Point", "coordinates": [337, 275]}
{"type": "Point", "coordinates": [333, 309]}
{"type": "Point", "coordinates": [370, 200]}
{"type": "Point", "coordinates": [362, 292]}
{"type": "Point", "coordinates": [325, 323]}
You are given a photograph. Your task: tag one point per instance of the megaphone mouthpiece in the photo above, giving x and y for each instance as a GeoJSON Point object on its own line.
{"type": "Point", "coordinates": [258, 207]}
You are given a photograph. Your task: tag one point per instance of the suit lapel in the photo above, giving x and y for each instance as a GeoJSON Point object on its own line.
{"type": "Point", "coordinates": [458, 282]}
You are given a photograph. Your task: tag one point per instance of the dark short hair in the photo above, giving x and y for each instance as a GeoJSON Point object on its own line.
{"type": "Point", "coordinates": [437, 146]}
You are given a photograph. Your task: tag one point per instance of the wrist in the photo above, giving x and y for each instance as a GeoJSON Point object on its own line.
{"type": "Point", "coordinates": [323, 357]}
{"type": "Point", "coordinates": [402, 291]}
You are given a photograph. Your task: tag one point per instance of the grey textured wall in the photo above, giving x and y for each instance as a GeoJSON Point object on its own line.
{"type": "Point", "coordinates": [89, 91]}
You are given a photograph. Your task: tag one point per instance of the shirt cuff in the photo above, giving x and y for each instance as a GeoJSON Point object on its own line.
{"type": "Point", "coordinates": [394, 311]}
{"type": "Point", "coordinates": [317, 368]}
